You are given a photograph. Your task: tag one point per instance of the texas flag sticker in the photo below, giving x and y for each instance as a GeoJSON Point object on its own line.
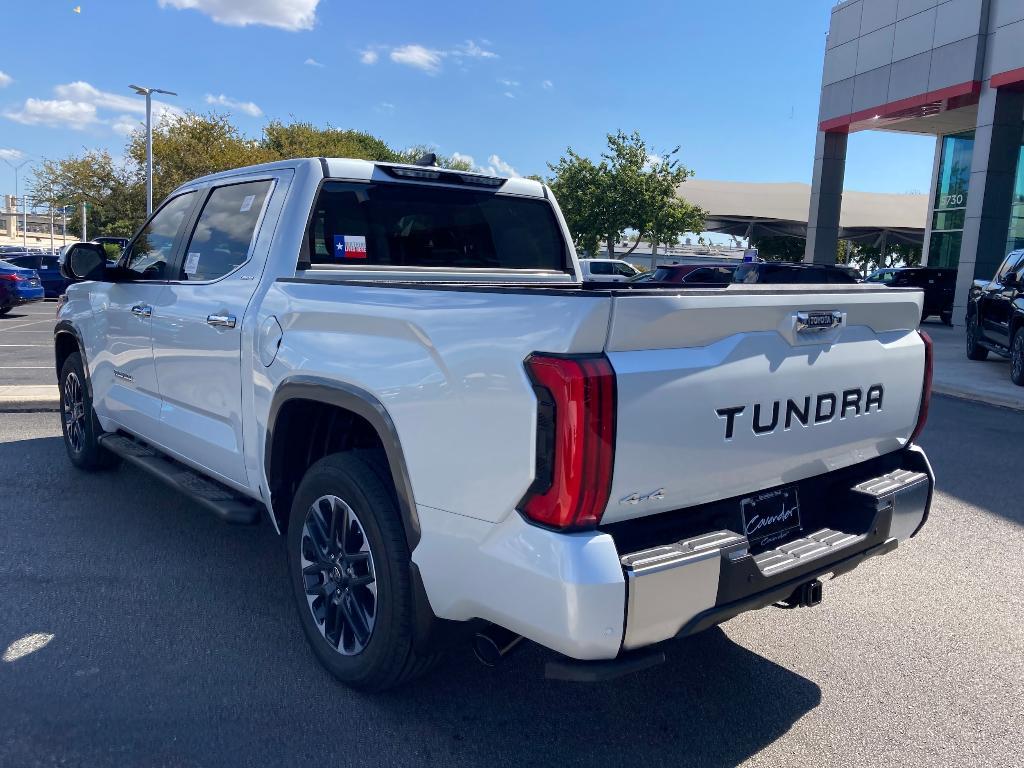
{"type": "Point", "coordinates": [350, 246]}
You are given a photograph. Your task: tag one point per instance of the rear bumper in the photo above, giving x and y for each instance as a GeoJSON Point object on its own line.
{"type": "Point", "coordinates": [25, 296]}
{"type": "Point", "coordinates": [682, 588]}
{"type": "Point", "coordinates": [580, 595]}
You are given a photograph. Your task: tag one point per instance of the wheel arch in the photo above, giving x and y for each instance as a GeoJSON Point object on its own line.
{"type": "Point", "coordinates": [67, 341]}
{"type": "Point", "coordinates": [318, 397]}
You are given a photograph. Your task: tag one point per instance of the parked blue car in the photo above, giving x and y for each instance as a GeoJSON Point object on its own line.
{"type": "Point", "coordinates": [18, 286]}
{"type": "Point", "coordinates": [48, 267]}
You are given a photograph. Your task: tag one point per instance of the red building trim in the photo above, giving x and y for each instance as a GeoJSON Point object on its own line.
{"type": "Point", "coordinates": [1012, 79]}
{"type": "Point", "coordinates": [940, 100]}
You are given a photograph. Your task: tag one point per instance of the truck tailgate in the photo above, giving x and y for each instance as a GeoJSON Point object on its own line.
{"type": "Point", "coordinates": [728, 392]}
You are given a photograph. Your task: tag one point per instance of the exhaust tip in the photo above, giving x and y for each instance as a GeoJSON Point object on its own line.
{"type": "Point", "coordinates": [493, 644]}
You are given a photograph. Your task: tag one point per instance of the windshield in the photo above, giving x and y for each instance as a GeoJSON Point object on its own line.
{"type": "Point", "coordinates": [418, 225]}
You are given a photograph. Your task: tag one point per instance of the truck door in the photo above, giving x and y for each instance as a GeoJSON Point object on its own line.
{"type": "Point", "coordinates": [121, 366]}
{"type": "Point", "coordinates": [199, 331]}
{"type": "Point", "coordinates": [997, 299]}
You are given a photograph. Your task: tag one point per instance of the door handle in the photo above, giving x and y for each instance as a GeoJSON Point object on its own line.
{"type": "Point", "coordinates": [142, 310]}
{"type": "Point", "coordinates": [221, 321]}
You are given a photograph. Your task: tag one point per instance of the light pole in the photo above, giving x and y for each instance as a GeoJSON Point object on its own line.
{"type": "Point", "coordinates": [148, 93]}
{"type": "Point", "coordinates": [24, 221]}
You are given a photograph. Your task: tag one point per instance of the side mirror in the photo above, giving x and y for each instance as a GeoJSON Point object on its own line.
{"type": "Point", "coordinates": [1010, 280]}
{"type": "Point", "coordinates": [84, 261]}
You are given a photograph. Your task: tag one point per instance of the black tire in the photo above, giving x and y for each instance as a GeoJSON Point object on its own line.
{"type": "Point", "coordinates": [384, 656]}
{"type": "Point", "coordinates": [5, 310]}
{"type": "Point", "coordinates": [972, 334]}
{"type": "Point", "coordinates": [1017, 358]}
{"type": "Point", "coordinates": [947, 318]}
{"type": "Point", "coordinates": [78, 420]}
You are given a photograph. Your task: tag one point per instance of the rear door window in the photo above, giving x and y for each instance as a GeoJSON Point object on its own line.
{"type": "Point", "coordinates": [224, 232]}
{"type": "Point", "coordinates": [600, 268]}
{"type": "Point", "coordinates": [418, 225]}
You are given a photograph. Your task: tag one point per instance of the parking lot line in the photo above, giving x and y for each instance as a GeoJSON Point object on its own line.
{"type": "Point", "coordinates": [24, 325]}
{"type": "Point", "coordinates": [40, 346]}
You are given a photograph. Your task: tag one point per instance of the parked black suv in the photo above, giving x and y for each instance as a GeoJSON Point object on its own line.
{"type": "Point", "coordinates": [938, 284]}
{"type": "Point", "coordinates": [788, 272]}
{"type": "Point", "coordinates": [995, 316]}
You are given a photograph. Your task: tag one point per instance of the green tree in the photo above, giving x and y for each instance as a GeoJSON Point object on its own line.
{"type": "Point", "coordinates": [780, 247]}
{"type": "Point", "coordinates": [115, 192]}
{"type": "Point", "coordinates": [630, 188]}
{"type": "Point", "coordinates": [186, 146]}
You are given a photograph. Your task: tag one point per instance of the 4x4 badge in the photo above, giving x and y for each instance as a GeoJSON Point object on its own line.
{"type": "Point", "coordinates": [636, 498]}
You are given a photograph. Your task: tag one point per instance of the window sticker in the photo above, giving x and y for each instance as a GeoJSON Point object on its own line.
{"type": "Point", "coordinates": [192, 263]}
{"type": "Point", "coordinates": [350, 246]}
{"type": "Point", "coordinates": [247, 203]}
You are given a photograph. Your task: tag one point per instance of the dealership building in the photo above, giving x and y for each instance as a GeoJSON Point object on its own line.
{"type": "Point", "coordinates": [953, 69]}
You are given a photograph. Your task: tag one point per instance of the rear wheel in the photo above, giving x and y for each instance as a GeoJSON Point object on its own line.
{"type": "Point", "coordinates": [5, 310]}
{"type": "Point", "coordinates": [947, 318]}
{"type": "Point", "coordinates": [349, 565]}
{"type": "Point", "coordinates": [78, 420]}
{"type": "Point", "coordinates": [973, 336]}
{"type": "Point", "coordinates": [1017, 358]}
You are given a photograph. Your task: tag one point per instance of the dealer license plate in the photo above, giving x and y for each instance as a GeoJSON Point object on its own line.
{"type": "Point", "coordinates": [771, 515]}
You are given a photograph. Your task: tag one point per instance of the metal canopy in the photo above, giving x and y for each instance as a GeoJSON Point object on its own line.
{"type": "Point", "coordinates": [756, 210]}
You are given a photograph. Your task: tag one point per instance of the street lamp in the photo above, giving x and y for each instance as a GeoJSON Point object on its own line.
{"type": "Point", "coordinates": [24, 222]}
{"type": "Point", "coordinates": [148, 93]}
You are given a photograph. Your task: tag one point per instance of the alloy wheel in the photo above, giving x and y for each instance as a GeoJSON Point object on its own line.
{"type": "Point", "coordinates": [338, 575]}
{"type": "Point", "coordinates": [73, 407]}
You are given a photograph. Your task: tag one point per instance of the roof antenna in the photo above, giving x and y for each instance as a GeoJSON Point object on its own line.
{"type": "Point", "coordinates": [429, 159]}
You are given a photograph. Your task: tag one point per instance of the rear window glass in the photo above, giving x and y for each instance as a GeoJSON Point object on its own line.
{"type": "Point", "coordinates": [416, 225]}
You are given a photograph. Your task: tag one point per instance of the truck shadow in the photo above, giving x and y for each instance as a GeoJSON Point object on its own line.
{"type": "Point", "coordinates": [714, 703]}
{"type": "Point", "coordinates": [181, 643]}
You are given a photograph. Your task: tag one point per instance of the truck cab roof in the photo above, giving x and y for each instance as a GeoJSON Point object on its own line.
{"type": "Point", "coordinates": [371, 170]}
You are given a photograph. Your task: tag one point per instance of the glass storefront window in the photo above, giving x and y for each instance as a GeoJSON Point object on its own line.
{"type": "Point", "coordinates": [954, 171]}
{"type": "Point", "coordinates": [944, 249]}
{"type": "Point", "coordinates": [1015, 237]}
{"type": "Point", "coordinates": [950, 204]}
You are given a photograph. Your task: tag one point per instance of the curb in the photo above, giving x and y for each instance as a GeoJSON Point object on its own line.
{"type": "Point", "coordinates": [979, 397]}
{"type": "Point", "coordinates": [32, 397]}
{"type": "Point", "coordinates": [28, 405]}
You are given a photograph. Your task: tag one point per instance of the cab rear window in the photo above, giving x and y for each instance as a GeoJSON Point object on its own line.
{"type": "Point", "coordinates": [418, 225]}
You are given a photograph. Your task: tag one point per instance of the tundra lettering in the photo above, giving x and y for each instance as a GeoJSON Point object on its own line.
{"type": "Point", "coordinates": [824, 412]}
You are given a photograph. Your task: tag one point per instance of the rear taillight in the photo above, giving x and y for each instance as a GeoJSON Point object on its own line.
{"type": "Point", "coordinates": [575, 440]}
{"type": "Point", "coordinates": [926, 389]}
{"type": "Point", "coordinates": [11, 278]}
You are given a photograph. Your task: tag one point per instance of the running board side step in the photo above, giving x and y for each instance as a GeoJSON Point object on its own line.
{"type": "Point", "coordinates": [229, 506]}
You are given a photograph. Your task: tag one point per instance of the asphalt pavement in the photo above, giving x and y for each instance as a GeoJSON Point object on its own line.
{"type": "Point", "coordinates": [26, 344]}
{"type": "Point", "coordinates": [163, 637]}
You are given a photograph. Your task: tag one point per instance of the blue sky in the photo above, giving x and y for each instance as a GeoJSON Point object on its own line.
{"type": "Point", "coordinates": [509, 84]}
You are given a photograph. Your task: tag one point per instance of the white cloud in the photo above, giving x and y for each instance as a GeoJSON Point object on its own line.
{"type": "Point", "coordinates": [429, 60]}
{"type": "Point", "coordinates": [509, 95]}
{"type": "Point", "coordinates": [54, 112]}
{"type": "Point", "coordinates": [368, 56]}
{"type": "Point", "coordinates": [247, 107]}
{"type": "Point", "coordinates": [471, 50]}
{"type": "Point", "coordinates": [5, 79]}
{"type": "Point", "coordinates": [84, 92]}
{"type": "Point", "coordinates": [419, 57]}
{"type": "Point", "coordinates": [11, 154]}
{"type": "Point", "coordinates": [290, 15]}
{"type": "Point", "coordinates": [499, 167]}
{"type": "Point", "coordinates": [79, 104]}
{"type": "Point", "coordinates": [510, 83]}
{"type": "Point", "coordinates": [311, 62]}
{"type": "Point", "coordinates": [125, 124]}
{"type": "Point", "coordinates": [495, 167]}
{"type": "Point", "coordinates": [547, 85]}
{"type": "Point", "coordinates": [386, 107]}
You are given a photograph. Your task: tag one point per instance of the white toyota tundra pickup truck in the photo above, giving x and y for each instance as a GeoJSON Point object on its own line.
{"type": "Point", "coordinates": [400, 368]}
